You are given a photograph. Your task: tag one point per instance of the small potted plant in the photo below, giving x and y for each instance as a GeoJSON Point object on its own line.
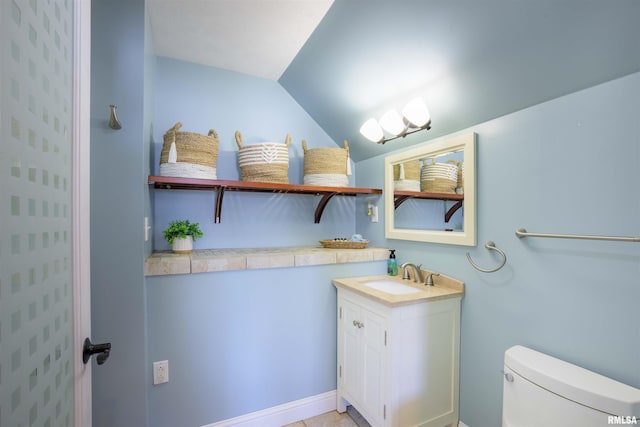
{"type": "Point", "coordinates": [181, 235]}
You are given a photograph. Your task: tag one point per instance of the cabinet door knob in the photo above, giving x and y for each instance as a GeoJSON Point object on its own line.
{"type": "Point", "coordinates": [358, 324]}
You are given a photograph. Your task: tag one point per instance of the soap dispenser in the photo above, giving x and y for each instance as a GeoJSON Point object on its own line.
{"type": "Point", "coordinates": [392, 264]}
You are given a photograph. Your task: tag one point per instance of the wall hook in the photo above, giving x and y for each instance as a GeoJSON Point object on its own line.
{"type": "Point", "coordinates": [491, 246]}
{"type": "Point", "coordinates": [114, 123]}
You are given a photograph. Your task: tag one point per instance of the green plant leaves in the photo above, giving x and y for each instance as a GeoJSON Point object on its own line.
{"type": "Point", "coordinates": [181, 229]}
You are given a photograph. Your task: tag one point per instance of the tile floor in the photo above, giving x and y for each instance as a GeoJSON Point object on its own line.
{"type": "Point", "coordinates": [333, 419]}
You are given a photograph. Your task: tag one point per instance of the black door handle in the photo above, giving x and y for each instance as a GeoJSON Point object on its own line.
{"type": "Point", "coordinates": [89, 349]}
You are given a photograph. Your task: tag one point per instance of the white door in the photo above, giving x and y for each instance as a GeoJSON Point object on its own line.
{"type": "Point", "coordinates": [44, 216]}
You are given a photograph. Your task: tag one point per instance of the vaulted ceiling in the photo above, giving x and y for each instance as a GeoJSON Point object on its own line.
{"type": "Point", "coordinates": [344, 61]}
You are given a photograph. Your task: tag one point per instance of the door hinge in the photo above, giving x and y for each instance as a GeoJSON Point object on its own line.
{"type": "Point", "coordinates": [340, 371]}
{"type": "Point", "coordinates": [385, 338]}
{"type": "Point", "coordinates": [384, 412]}
{"type": "Point", "coordinates": [340, 312]}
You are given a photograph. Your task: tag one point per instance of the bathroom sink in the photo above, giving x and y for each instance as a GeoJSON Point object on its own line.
{"type": "Point", "coordinates": [390, 287]}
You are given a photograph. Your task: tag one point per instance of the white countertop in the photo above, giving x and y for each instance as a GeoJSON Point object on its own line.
{"type": "Point", "coordinates": [444, 287]}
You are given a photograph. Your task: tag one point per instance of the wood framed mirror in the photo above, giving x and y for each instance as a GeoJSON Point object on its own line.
{"type": "Point", "coordinates": [438, 208]}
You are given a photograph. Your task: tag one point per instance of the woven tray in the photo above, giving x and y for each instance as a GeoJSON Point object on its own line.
{"type": "Point", "coordinates": [343, 244]}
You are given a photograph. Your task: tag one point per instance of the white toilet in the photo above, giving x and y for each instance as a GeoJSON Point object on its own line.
{"type": "Point", "coordinates": [542, 391]}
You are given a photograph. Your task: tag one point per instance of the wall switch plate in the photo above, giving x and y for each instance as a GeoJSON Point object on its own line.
{"type": "Point", "coordinates": [160, 372]}
{"type": "Point", "coordinates": [374, 214]}
{"type": "Point", "coordinates": [147, 228]}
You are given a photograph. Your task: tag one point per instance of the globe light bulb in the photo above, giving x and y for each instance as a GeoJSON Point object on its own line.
{"type": "Point", "coordinates": [416, 112]}
{"type": "Point", "coordinates": [392, 122]}
{"type": "Point", "coordinates": [372, 130]}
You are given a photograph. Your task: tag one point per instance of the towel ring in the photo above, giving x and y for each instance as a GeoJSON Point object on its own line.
{"type": "Point", "coordinates": [491, 246]}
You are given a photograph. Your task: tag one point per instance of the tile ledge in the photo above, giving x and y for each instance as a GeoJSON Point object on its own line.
{"type": "Point", "coordinates": [162, 263]}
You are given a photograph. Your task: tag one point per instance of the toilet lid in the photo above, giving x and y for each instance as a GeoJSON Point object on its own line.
{"type": "Point", "coordinates": [573, 382]}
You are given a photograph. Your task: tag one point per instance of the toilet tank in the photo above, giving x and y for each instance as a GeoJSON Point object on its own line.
{"type": "Point", "coordinates": [542, 391]}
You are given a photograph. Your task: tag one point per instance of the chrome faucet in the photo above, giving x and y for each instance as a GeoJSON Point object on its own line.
{"type": "Point", "coordinates": [417, 273]}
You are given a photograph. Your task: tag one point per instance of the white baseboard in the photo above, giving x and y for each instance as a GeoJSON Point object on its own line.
{"type": "Point", "coordinates": [286, 413]}
{"type": "Point", "coordinates": [461, 424]}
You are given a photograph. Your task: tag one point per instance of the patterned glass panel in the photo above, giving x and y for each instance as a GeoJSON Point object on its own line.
{"type": "Point", "coordinates": [36, 307]}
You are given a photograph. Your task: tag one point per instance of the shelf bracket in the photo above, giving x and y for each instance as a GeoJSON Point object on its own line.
{"type": "Point", "coordinates": [452, 210]}
{"type": "Point", "coordinates": [321, 205]}
{"type": "Point", "coordinates": [399, 200]}
{"type": "Point", "coordinates": [218, 212]}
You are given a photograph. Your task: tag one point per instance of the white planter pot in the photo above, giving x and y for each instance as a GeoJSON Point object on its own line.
{"type": "Point", "coordinates": [183, 246]}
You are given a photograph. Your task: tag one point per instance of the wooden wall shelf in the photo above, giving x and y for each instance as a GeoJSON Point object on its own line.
{"type": "Point", "coordinates": [221, 186]}
{"type": "Point", "coordinates": [401, 196]}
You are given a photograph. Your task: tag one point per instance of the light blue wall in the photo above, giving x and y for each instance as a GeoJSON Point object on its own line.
{"type": "Point", "coordinates": [242, 341]}
{"type": "Point", "coordinates": [570, 165]}
{"type": "Point", "coordinates": [150, 60]}
{"type": "Point", "coordinates": [201, 98]}
{"type": "Point", "coordinates": [118, 205]}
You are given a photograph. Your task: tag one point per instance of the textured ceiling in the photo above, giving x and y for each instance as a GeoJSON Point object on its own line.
{"type": "Point", "coordinates": [470, 60]}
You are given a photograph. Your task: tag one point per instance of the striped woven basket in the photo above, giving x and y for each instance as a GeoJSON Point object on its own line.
{"type": "Point", "coordinates": [189, 154]}
{"type": "Point", "coordinates": [460, 188]}
{"type": "Point", "coordinates": [438, 177]}
{"type": "Point", "coordinates": [265, 161]}
{"type": "Point", "coordinates": [406, 176]}
{"type": "Point", "coordinates": [326, 166]}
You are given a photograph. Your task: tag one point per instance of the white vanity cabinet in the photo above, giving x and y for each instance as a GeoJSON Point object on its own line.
{"type": "Point", "coordinates": [398, 364]}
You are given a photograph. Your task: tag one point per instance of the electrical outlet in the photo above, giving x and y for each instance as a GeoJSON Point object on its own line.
{"type": "Point", "coordinates": [160, 372]}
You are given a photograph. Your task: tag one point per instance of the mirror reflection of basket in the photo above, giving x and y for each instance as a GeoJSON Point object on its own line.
{"type": "Point", "coordinates": [406, 176]}
{"type": "Point", "coordinates": [326, 166]}
{"type": "Point", "coordinates": [265, 161]}
{"type": "Point", "coordinates": [438, 177]}
{"type": "Point", "coordinates": [188, 154]}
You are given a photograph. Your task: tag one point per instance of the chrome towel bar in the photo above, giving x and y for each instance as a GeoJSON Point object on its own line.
{"type": "Point", "coordinates": [521, 232]}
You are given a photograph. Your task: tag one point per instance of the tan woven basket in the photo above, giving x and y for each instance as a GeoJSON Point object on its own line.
{"type": "Point", "coordinates": [460, 188]}
{"type": "Point", "coordinates": [189, 154]}
{"type": "Point", "coordinates": [326, 166]}
{"type": "Point", "coordinates": [411, 171]}
{"type": "Point", "coordinates": [406, 176]}
{"type": "Point", "coordinates": [438, 177]}
{"type": "Point", "coordinates": [265, 161]}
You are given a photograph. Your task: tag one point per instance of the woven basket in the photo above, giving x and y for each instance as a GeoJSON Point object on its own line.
{"type": "Point", "coordinates": [326, 166]}
{"type": "Point", "coordinates": [438, 177]}
{"type": "Point", "coordinates": [343, 244]}
{"type": "Point", "coordinates": [406, 176]}
{"type": "Point", "coordinates": [188, 154]}
{"type": "Point", "coordinates": [460, 188]}
{"type": "Point", "coordinates": [265, 161]}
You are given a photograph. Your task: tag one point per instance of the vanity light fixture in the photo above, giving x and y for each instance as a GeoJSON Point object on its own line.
{"type": "Point", "coordinates": [415, 117]}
